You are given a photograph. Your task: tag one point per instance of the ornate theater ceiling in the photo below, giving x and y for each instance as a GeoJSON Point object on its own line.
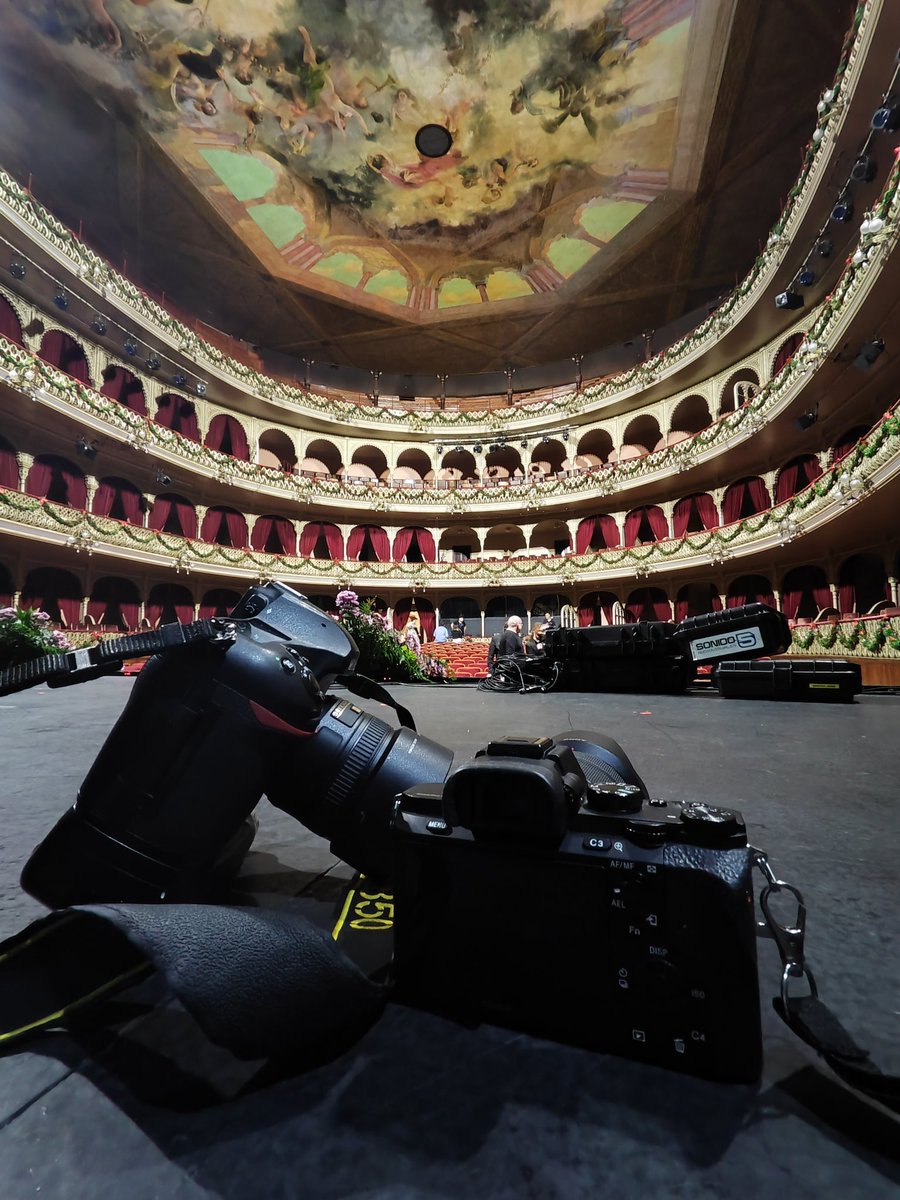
{"type": "Point", "coordinates": [474, 167]}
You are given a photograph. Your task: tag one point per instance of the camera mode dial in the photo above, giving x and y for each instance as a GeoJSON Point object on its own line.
{"type": "Point", "coordinates": [709, 817]}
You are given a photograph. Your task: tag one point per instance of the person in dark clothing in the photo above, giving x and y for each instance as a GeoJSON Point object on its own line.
{"type": "Point", "coordinates": [502, 644]}
{"type": "Point", "coordinates": [458, 627]}
{"type": "Point", "coordinates": [549, 622]}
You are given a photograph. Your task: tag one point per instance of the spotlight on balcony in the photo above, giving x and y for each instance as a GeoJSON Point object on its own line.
{"type": "Point", "coordinates": [153, 363]}
{"type": "Point", "coordinates": [788, 299]}
{"type": "Point", "coordinates": [200, 388]}
{"type": "Point", "coordinates": [886, 118]}
{"type": "Point", "coordinates": [869, 352]}
{"type": "Point", "coordinates": [85, 448]}
{"type": "Point", "coordinates": [100, 325]}
{"type": "Point", "coordinates": [864, 169]}
{"type": "Point", "coordinates": [17, 269]}
{"type": "Point", "coordinates": [439, 449]}
{"type": "Point", "coordinates": [807, 419]}
{"type": "Point", "coordinates": [806, 277]}
{"type": "Point", "coordinates": [477, 448]}
{"type": "Point", "coordinates": [523, 444]}
{"type": "Point", "coordinates": [179, 379]}
{"type": "Point", "coordinates": [130, 346]}
{"type": "Point", "coordinates": [843, 210]}
{"type": "Point", "coordinates": [824, 247]}
{"type": "Point", "coordinates": [61, 300]}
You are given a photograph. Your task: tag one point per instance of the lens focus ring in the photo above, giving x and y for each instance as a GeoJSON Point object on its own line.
{"type": "Point", "coordinates": [355, 765]}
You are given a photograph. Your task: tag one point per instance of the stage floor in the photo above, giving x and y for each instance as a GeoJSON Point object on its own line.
{"type": "Point", "coordinates": [422, 1108]}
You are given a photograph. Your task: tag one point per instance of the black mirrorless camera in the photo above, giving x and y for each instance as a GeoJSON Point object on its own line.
{"type": "Point", "coordinates": [541, 888]}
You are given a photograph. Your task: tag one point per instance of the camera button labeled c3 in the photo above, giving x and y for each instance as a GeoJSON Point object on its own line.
{"type": "Point", "coordinates": [596, 843]}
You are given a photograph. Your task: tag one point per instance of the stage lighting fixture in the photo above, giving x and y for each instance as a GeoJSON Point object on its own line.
{"type": "Point", "coordinates": [17, 269]}
{"type": "Point", "coordinates": [179, 379]}
{"type": "Point", "coordinates": [61, 300]}
{"type": "Point", "coordinates": [439, 449]}
{"type": "Point", "coordinates": [806, 277]}
{"type": "Point", "coordinates": [477, 448]}
{"type": "Point", "coordinates": [864, 169]}
{"type": "Point", "coordinates": [805, 420]}
{"type": "Point", "coordinates": [85, 448]}
{"type": "Point", "coordinates": [887, 118]}
{"type": "Point", "coordinates": [869, 352]}
{"type": "Point", "coordinates": [99, 325]}
{"type": "Point", "coordinates": [459, 449]}
{"type": "Point", "coordinates": [163, 478]}
{"type": "Point", "coordinates": [493, 448]}
{"type": "Point", "coordinates": [545, 439]}
{"type": "Point", "coordinates": [153, 363]}
{"type": "Point", "coordinates": [200, 388]}
{"type": "Point", "coordinates": [565, 436]}
{"type": "Point", "coordinates": [130, 346]}
{"type": "Point", "coordinates": [843, 210]}
{"type": "Point", "coordinates": [824, 247]}
{"type": "Point", "coordinates": [788, 299]}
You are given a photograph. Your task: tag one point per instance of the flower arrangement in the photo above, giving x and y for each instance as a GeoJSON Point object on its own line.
{"type": "Point", "coordinates": [381, 656]}
{"type": "Point", "coordinates": [26, 633]}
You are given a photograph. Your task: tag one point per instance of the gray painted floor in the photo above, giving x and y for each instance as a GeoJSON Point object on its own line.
{"type": "Point", "coordinates": [421, 1108]}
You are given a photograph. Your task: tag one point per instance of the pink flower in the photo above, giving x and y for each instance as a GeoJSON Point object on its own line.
{"type": "Point", "coordinates": [42, 617]}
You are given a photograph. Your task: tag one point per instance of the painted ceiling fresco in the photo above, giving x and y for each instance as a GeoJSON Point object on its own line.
{"type": "Point", "coordinates": [297, 121]}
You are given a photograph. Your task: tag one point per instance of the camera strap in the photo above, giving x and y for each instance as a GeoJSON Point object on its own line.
{"type": "Point", "coordinates": [368, 689]}
{"type": "Point", "coordinates": [77, 666]}
{"type": "Point", "coordinates": [806, 1015]}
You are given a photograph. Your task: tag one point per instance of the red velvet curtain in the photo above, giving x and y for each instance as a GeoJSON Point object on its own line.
{"type": "Point", "coordinates": [424, 608]}
{"type": "Point", "coordinates": [682, 603]}
{"type": "Point", "coordinates": [786, 352]}
{"type": "Point", "coordinates": [40, 480]}
{"type": "Point", "coordinates": [9, 322]}
{"type": "Point", "coordinates": [59, 350]}
{"type": "Point", "coordinates": [607, 527]}
{"type": "Point", "coordinates": [54, 591]}
{"type": "Point", "coordinates": [175, 412]}
{"type": "Point", "coordinates": [733, 502]}
{"type": "Point", "coordinates": [123, 387]}
{"type": "Point", "coordinates": [355, 541]}
{"type": "Point", "coordinates": [648, 604]}
{"type": "Point", "coordinates": [595, 605]}
{"type": "Point", "coordinates": [804, 583]}
{"type": "Point", "coordinates": [681, 516]}
{"type": "Point", "coordinates": [284, 532]}
{"type": "Point", "coordinates": [112, 489]}
{"type": "Point", "coordinates": [334, 541]}
{"type": "Point", "coordinates": [706, 510]}
{"type": "Point", "coordinates": [172, 597]}
{"type": "Point", "coordinates": [660, 527]}
{"type": "Point", "coordinates": [759, 494]}
{"type": "Point", "coordinates": [750, 588]}
{"type": "Point", "coordinates": [402, 543]}
{"type": "Point", "coordinates": [217, 602]}
{"type": "Point", "coordinates": [113, 597]}
{"type": "Point", "coordinates": [847, 597]}
{"type": "Point", "coordinates": [381, 545]}
{"type": "Point", "coordinates": [37, 482]}
{"type": "Point", "coordinates": [311, 533]}
{"type": "Point", "coordinates": [632, 525]}
{"type": "Point", "coordinates": [237, 529]}
{"type": "Point", "coordinates": [228, 431]}
{"type": "Point", "coordinates": [9, 467]}
{"type": "Point", "coordinates": [427, 547]}
{"type": "Point", "coordinates": [796, 476]}
{"type": "Point", "coordinates": [163, 507]}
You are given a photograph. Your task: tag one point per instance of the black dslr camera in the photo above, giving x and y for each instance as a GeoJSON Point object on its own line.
{"type": "Point", "coordinates": [209, 727]}
{"type": "Point", "coordinates": [542, 889]}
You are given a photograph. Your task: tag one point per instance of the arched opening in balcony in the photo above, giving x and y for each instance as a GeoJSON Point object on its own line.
{"type": "Point", "coordinates": [547, 458]}
{"type": "Point", "coordinates": [10, 325]}
{"type": "Point", "coordinates": [56, 592]}
{"type": "Point", "coordinates": [786, 352]}
{"type": "Point", "coordinates": [648, 604]}
{"type": "Point", "coordinates": [497, 611]}
{"type": "Point", "coordinates": [416, 605]}
{"type": "Point", "coordinates": [502, 541]}
{"type": "Point", "coordinates": [458, 466]}
{"type": "Point", "coordinates": [224, 527]}
{"type": "Point", "coordinates": [58, 480]}
{"type": "Point", "coordinates": [321, 600]}
{"type": "Point", "coordinates": [274, 535]}
{"type": "Point", "coordinates": [750, 589]}
{"type": "Point", "coordinates": [458, 543]}
{"type": "Point", "coordinates": [596, 444]}
{"type": "Point", "coordinates": [847, 441]}
{"type": "Point", "coordinates": [417, 461]}
{"type": "Point", "coordinates": [695, 599]}
{"type": "Point", "coordinates": [7, 587]}
{"type": "Point", "coordinates": [795, 475]}
{"type": "Point", "coordinates": [114, 603]}
{"type": "Point", "coordinates": [745, 498]}
{"type": "Point", "coordinates": [804, 593]}
{"type": "Point", "coordinates": [741, 387]}
{"type": "Point", "coordinates": [645, 525]}
{"type": "Point", "coordinates": [452, 607]}
{"type": "Point", "coordinates": [689, 416]}
{"type": "Point", "coordinates": [119, 499]}
{"type": "Point", "coordinates": [173, 514]}
{"type": "Point", "coordinates": [862, 584]}
{"type": "Point", "coordinates": [322, 458]}
{"type": "Point", "coordinates": [414, 545]}
{"type": "Point", "coordinates": [9, 465]}
{"type": "Point", "coordinates": [642, 434]}
{"type": "Point", "coordinates": [168, 603]}
{"type": "Point", "coordinates": [322, 540]}
{"type": "Point", "coordinates": [120, 385]}
{"type": "Point", "coordinates": [368, 543]}
{"type": "Point", "coordinates": [276, 450]}
{"type": "Point", "coordinates": [227, 435]}
{"type": "Point", "coordinates": [217, 602]}
{"type": "Point", "coordinates": [62, 351]}
{"type": "Point", "coordinates": [596, 533]}
{"type": "Point", "coordinates": [502, 462]}
{"type": "Point", "coordinates": [600, 608]}
{"type": "Point", "coordinates": [368, 462]}
{"type": "Point", "coordinates": [178, 414]}
{"type": "Point", "coordinates": [551, 537]}
{"type": "Point", "coordinates": [694, 514]}
{"type": "Point", "coordinates": [549, 602]}
{"type": "Point", "coordinates": [378, 603]}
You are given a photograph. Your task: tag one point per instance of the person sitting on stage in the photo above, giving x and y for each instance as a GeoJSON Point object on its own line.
{"type": "Point", "coordinates": [441, 634]}
{"type": "Point", "coordinates": [505, 643]}
{"type": "Point", "coordinates": [534, 642]}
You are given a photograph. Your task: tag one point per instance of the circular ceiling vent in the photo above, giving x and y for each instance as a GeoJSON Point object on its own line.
{"type": "Point", "coordinates": [434, 141]}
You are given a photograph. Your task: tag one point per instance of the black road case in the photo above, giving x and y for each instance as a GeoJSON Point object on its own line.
{"type": "Point", "coordinates": [734, 633]}
{"type": "Point", "coordinates": [828, 680]}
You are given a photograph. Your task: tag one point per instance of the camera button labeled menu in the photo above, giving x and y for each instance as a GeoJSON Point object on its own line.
{"type": "Point", "coordinates": [436, 825]}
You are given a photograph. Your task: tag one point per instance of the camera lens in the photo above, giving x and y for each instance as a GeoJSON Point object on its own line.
{"type": "Point", "coordinates": [343, 783]}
